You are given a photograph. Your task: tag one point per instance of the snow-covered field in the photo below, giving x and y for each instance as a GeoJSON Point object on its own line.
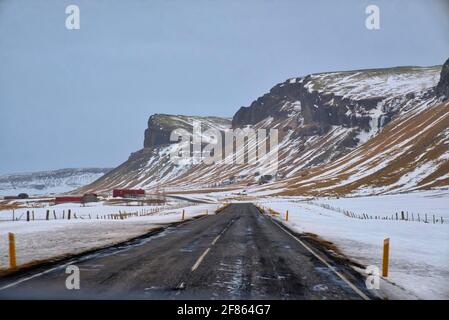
{"type": "Point", "coordinates": [430, 202]}
{"type": "Point", "coordinates": [92, 209]}
{"type": "Point", "coordinates": [42, 240]}
{"type": "Point", "coordinates": [419, 252]}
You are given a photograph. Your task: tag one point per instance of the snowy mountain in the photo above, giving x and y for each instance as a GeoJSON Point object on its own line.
{"type": "Point", "coordinates": [363, 131]}
{"type": "Point", "coordinates": [151, 166]}
{"type": "Point", "coordinates": [48, 182]}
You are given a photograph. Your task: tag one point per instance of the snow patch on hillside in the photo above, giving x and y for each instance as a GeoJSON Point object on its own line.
{"type": "Point", "coordinates": [362, 84]}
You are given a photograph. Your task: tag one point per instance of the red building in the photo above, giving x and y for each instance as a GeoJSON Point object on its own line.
{"type": "Point", "coordinates": [128, 193]}
{"type": "Point", "coordinates": [88, 197]}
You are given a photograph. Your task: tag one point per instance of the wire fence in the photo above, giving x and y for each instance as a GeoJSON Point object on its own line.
{"type": "Point", "coordinates": [397, 216]}
{"type": "Point", "coordinates": [74, 214]}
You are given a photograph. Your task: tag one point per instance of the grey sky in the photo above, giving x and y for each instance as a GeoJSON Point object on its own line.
{"type": "Point", "coordinates": [82, 98]}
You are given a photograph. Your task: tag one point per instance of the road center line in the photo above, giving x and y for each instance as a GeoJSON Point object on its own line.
{"type": "Point", "coordinates": [200, 259]}
{"type": "Point", "coordinates": [216, 239]}
{"type": "Point", "coordinates": [341, 276]}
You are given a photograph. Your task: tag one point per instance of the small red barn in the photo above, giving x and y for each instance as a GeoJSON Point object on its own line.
{"type": "Point", "coordinates": [128, 193]}
{"type": "Point", "coordinates": [88, 197]}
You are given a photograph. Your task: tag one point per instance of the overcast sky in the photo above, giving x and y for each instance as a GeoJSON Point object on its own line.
{"type": "Point", "coordinates": [82, 98]}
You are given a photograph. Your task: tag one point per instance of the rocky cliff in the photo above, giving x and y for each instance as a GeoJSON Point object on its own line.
{"type": "Point", "coordinates": [359, 99]}
{"type": "Point", "coordinates": [151, 166]}
{"type": "Point", "coordinates": [443, 86]}
{"type": "Point", "coordinates": [160, 127]}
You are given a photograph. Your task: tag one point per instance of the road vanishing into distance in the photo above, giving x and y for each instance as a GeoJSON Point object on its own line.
{"type": "Point", "coordinates": [236, 254]}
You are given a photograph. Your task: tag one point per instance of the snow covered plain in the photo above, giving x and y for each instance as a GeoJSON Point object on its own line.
{"type": "Point", "coordinates": [93, 209]}
{"type": "Point", "coordinates": [422, 202]}
{"type": "Point", "coordinates": [42, 240]}
{"type": "Point", "coordinates": [419, 252]}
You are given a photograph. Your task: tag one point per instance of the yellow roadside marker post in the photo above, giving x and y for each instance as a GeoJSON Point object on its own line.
{"type": "Point", "coordinates": [183, 214]}
{"type": "Point", "coordinates": [12, 251]}
{"type": "Point", "coordinates": [386, 252]}
{"type": "Point", "coordinates": [286, 216]}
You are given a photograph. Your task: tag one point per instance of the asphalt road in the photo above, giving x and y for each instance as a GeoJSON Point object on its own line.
{"type": "Point", "coordinates": [236, 254]}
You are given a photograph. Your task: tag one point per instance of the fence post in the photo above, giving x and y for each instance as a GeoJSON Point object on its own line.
{"type": "Point", "coordinates": [12, 251]}
{"type": "Point", "coordinates": [385, 258]}
{"type": "Point", "coordinates": [69, 212]}
{"type": "Point", "coordinates": [28, 215]}
{"type": "Point", "coordinates": [47, 216]}
{"type": "Point", "coordinates": [13, 215]}
{"type": "Point", "coordinates": [183, 215]}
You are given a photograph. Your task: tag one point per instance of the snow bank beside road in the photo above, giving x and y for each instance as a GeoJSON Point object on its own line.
{"type": "Point", "coordinates": [419, 253]}
{"type": "Point", "coordinates": [43, 240]}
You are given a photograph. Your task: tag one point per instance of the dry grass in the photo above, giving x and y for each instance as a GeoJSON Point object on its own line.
{"type": "Point", "coordinates": [5, 205]}
{"type": "Point", "coordinates": [427, 145]}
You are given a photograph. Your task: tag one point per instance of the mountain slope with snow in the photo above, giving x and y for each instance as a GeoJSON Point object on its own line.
{"type": "Point", "coordinates": [151, 166]}
{"type": "Point", "coordinates": [49, 182]}
{"type": "Point", "coordinates": [411, 153]}
{"type": "Point", "coordinates": [328, 123]}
